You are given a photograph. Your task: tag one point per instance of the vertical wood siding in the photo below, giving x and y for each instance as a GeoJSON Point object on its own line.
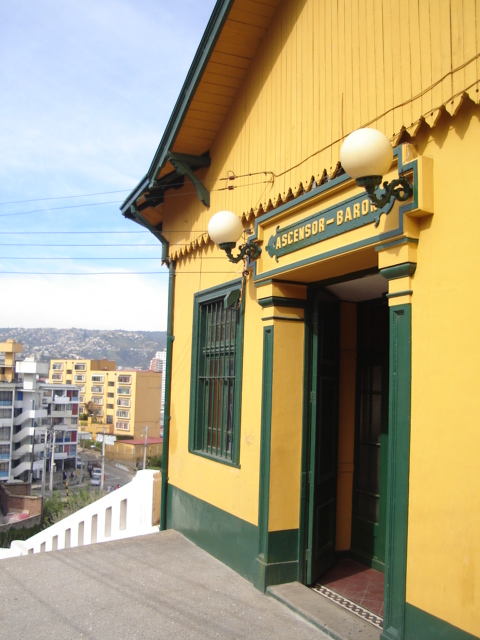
{"type": "Point", "coordinates": [323, 69]}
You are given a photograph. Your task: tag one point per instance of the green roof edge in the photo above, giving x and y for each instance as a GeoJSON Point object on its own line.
{"type": "Point", "coordinates": [200, 61]}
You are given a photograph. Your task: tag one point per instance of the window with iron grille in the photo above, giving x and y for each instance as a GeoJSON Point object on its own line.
{"type": "Point", "coordinates": [216, 375]}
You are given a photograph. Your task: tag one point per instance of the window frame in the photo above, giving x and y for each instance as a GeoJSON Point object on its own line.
{"type": "Point", "coordinates": [196, 424]}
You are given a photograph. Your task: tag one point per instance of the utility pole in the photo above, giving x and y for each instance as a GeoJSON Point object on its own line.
{"type": "Point", "coordinates": [103, 460]}
{"type": "Point", "coordinates": [44, 471]}
{"type": "Point", "coordinates": [145, 450]}
{"type": "Point", "coordinates": [52, 442]}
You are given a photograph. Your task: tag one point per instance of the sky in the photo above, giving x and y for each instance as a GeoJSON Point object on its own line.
{"type": "Point", "coordinates": [86, 91]}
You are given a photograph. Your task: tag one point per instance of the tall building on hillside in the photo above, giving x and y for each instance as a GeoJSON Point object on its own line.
{"type": "Point", "coordinates": [159, 363]}
{"type": "Point", "coordinates": [124, 402]}
{"type": "Point", "coordinates": [30, 413]}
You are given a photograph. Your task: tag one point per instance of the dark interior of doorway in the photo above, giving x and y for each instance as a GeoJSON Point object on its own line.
{"type": "Point", "coordinates": [356, 581]}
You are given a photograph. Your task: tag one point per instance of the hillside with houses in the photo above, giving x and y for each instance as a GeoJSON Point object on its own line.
{"type": "Point", "coordinates": [130, 349]}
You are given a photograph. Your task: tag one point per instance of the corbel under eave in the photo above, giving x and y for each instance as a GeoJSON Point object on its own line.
{"type": "Point", "coordinates": [184, 164]}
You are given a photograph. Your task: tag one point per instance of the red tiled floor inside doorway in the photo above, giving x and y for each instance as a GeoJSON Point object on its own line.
{"type": "Point", "coordinates": [358, 583]}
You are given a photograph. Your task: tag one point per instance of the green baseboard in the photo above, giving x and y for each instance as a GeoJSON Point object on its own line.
{"type": "Point", "coordinates": [229, 539]}
{"type": "Point", "coordinates": [280, 563]}
{"type": "Point", "coordinates": [420, 625]}
{"type": "Point", "coordinates": [234, 541]}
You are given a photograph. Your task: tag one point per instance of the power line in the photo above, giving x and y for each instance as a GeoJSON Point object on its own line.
{"type": "Point", "coordinates": [71, 206]}
{"type": "Point", "coordinates": [83, 195]}
{"type": "Point", "coordinates": [24, 233]}
{"type": "Point", "coordinates": [76, 259]}
{"type": "Point", "coordinates": [90, 258]}
{"type": "Point", "coordinates": [35, 244]}
{"type": "Point", "coordinates": [109, 273]}
{"type": "Point", "coordinates": [21, 233]}
{"type": "Point", "coordinates": [165, 196]}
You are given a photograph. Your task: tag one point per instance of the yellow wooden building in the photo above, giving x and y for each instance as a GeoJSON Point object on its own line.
{"type": "Point", "coordinates": [322, 399]}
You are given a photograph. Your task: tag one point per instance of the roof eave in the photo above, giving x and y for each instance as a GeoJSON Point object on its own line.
{"type": "Point", "coordinates": [202, 56]}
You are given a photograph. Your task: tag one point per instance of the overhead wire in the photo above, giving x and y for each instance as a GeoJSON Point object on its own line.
{"type": "Point", "coordinates": [82, 195]}
{"type": "Point", "coordinates": [103, 273]}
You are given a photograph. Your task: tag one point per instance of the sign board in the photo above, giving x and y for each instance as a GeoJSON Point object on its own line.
{"type": "Point", "coordinates": [108, 439]}
{"type": "Point", "coordinates": [339, 218]}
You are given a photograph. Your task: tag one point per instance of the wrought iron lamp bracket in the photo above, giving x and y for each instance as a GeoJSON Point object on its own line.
{"type": "Point", "coordinates": [401, 189]}
{"type": "Point", "coordinates": [250, 250]}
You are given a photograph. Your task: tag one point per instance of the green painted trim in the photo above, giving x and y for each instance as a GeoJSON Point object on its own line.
{"type": "Point", "coordinates": [404, 270]}
{"type": "Point", "coordinates": [264, 283]}
{"type": "Point", "coordinates": [168, 396]}
{"type": "Point", "coordinates": [282, 545]}
{"type": "Point", "coordinates": [196, 162]}
{"type": "Point", "coordinates": [200, 298]}
{"type": "Point", "coordinates": [383, 237]}
{"type": "Point", "coordinates": [231, 540]}
{"type": "Point", "coordinates": [420, 624]}
{"type": "Point", "coordinates": [279, 564]}
{"type": "Point", "coordinates": [307, 385]}
{"type": "Point", "coordinates": [278, 301]}
{"type": "Point", "coordinates": [136, 216]}
{"type": "Point", "coordinates": [396, 243]}
{"type": "Point", "coordinates": [400, 376]}
{"type": "Point", "coordinates": [399, 294]}
{"type": "Point", "coordinates": [209, 456]}
{"type": "Point", "coordinates": [200, 61]}
{"type": "Point", "coordinates": [265, 441]}
{"type": "Point", "coordinates": [284, 318]}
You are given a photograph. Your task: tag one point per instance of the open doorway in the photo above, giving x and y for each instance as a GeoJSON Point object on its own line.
{"type": "Point", "coordinates": [348, 348]}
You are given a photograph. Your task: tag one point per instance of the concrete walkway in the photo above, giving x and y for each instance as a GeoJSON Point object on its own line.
{"type": "Point", "coordinates": [154, 587]}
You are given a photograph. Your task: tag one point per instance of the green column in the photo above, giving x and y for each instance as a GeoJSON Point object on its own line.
{"type": "Point", "coordinates": [398, 471]}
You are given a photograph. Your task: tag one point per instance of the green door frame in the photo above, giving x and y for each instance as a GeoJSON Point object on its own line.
{"type": "Point", "coordinates": [399, 421]}
{"type": "Point", "coordinates": [400, 376]}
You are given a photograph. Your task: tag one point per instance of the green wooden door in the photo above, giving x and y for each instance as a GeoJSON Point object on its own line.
{"type": "Point", "coordinates": [371, 437]}
{"type": "Point", "coordinates": [322, 472]}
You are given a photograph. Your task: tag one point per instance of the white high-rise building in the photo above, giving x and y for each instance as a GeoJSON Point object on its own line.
{"type": "Point", "coordinates": [29, 410]}
{"type": "Point", "coordinates": [159, 363]}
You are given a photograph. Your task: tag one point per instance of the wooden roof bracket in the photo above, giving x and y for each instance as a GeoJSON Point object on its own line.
{"type": "Point", "coordinates": [185, 165]}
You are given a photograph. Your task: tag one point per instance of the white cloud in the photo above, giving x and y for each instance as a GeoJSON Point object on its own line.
{"type": "Point", "coordinates": [87, 90]}
{"type": "Point", "coordinates": [129, 302]}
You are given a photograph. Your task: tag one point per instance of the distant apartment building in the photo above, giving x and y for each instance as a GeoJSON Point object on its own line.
{"type": "Point", "coordinates": [159, 363]}
{"type": "Point", "coordinates": [122, 401]}
{"type": "Point", "coordinates": [34, 416]}
{"type": "Point", "coordinates": [10, 351]}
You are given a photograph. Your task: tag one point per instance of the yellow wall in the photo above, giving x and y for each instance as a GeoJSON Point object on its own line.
{"type": "Point", "coordinates": [319, 73]}
{"type": "Point", "coordinates": [286, 427]}
{"type": "Point", "coordinates": [229, 488]}
{"type": "Point", "coordinates": [444, 514]}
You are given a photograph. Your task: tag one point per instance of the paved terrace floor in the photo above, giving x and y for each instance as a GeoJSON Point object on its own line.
{"type": "Point", "coordinates": [155, 587]}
